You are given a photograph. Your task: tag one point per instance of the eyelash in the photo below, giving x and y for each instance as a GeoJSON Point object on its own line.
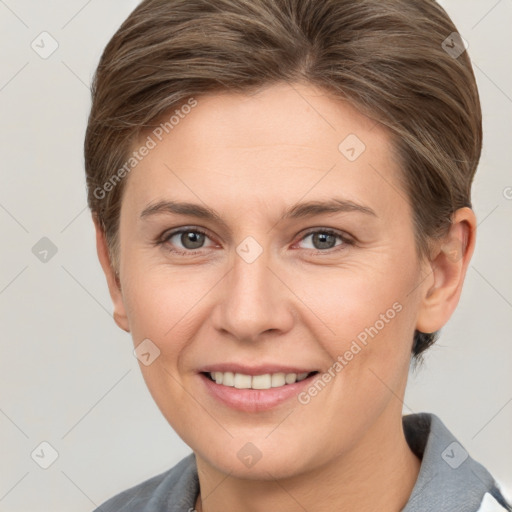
{"type": "Point", "coordinates": [345, 240]}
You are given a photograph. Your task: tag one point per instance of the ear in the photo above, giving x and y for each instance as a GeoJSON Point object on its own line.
{"type": "Point", "coordinates": [448, 270]}
{"type": "Point", "coordinates": [114, 285]}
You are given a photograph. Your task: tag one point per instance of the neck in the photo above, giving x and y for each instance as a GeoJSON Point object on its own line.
{"type": "Point", "coordinates": [378, 474]}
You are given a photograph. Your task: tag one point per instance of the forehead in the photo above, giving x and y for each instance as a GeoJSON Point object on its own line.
{"type": "Point", "coordinates": [268, 149]}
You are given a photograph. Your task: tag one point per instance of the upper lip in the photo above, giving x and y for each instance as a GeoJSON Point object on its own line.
{"type": "Point", "coordinates": [254, 370]}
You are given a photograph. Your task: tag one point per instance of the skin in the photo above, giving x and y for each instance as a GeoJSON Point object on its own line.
{"type": "Point", "coordinates": [250, 158]}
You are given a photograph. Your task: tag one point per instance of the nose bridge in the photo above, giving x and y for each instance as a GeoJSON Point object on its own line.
{"type": "Point", "coordinates": [253, 300]}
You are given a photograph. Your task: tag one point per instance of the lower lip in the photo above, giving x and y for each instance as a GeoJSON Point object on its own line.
{"type": "Point", "coordinates": [255, 400]}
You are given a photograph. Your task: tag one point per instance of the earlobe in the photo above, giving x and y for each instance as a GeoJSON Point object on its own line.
{"type": "Point", "coordinates": [113, 282]}
{"type": "Point", "coordinates": [121, 321]}
{"type": "Point", "coordinates": [448, 268]}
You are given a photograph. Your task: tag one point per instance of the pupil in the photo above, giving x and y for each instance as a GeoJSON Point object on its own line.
{"type": "Point", "coordinates": [321, 238]}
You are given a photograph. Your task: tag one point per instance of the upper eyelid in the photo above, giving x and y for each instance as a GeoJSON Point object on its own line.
{"type": "Point", "coordinates": [332, 231]}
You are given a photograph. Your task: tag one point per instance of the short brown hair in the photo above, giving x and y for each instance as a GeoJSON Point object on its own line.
{"type": "Point", "coordinates": [389, 58]}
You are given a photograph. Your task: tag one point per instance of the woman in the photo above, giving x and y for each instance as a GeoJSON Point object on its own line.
{"type": "Point", "coordinates": [281, 196]}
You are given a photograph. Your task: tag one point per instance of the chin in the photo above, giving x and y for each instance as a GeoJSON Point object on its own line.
{"type": "Point", "coordinates": [250, 463]}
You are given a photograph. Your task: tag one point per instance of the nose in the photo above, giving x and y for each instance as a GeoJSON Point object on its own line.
{"type": "Point", "coordinates": [254, 300]}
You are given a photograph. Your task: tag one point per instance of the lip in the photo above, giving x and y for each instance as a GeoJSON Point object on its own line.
{"type": "Point", "coordinates": [254, 400]}
{"type": "Point", "coordinates": [255, 370]}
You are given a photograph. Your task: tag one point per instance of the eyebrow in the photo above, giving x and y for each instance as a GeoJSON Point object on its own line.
{"type": "Point", "coordinates": [301, 210]}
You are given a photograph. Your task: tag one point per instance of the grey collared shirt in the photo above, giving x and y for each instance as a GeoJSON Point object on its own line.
{"type": "Point", "coordinates": [449, 479]}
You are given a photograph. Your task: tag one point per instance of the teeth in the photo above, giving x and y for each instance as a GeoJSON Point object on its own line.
{"type": "Point", "coordinates": [261, 381]}
{"type": "Point", "coordinates": [228, 378]}
{"type": "Point", "coordinates": [290, 378]}
{"type": "Point", "coordinates": [267, 381]}
{"type": "Point", "coordinates": [278, 379]}
{"type": "Point", "coordinates": [242, 381]}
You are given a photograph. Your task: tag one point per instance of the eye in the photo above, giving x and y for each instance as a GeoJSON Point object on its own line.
{"type": "Point", "coordinates": [191, 239]}
{"type": "Point", "coordinates": [325, 239]}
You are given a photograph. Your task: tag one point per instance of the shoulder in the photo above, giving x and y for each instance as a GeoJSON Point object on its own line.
{"type": "Point", "coordinates": [175, 489]}
{"type": "Point", "coordinates": [449, 478]}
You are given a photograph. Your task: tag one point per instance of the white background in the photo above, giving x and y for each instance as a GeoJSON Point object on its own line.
{"type": "Point", "coordinates": [68, 374]}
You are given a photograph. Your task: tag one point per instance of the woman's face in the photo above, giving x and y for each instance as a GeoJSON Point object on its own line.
{"type": "Point", "coordinates": [271, 282]}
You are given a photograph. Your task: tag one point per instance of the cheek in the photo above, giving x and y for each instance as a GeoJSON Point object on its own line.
{"type": "Point", "coordinates": [168, 306]}
{"type": "Point", "coordinates": [345, 305]}
{"type": "Point", "coordinates": [164, 308]}
{"type": "Point", "coordinates": [364, 318]}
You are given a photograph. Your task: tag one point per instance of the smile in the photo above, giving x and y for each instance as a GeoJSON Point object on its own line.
{"type": "Point", "coordinates": [255, 393]}
{"type": "Point", "coordinates": [265, 381]}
